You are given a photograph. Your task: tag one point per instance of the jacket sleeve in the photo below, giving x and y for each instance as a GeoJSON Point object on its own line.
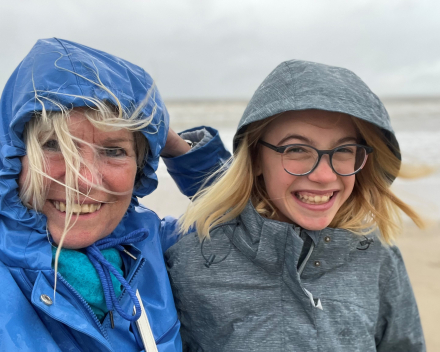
{"type": "Point", "coordinates": [399, 327]}
{"type": "Point", "coordinates": [169, 232]}
{"type": "Point", "coordinates": [191, 169]}
{"type": "Point", "coordinates": [171, 341]}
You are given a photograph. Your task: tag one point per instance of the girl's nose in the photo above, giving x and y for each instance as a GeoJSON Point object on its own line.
{"type": "Point", "coordinates": [323, 172]}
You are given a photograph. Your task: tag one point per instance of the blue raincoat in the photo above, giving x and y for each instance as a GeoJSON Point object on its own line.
{"type": "Point", "coordinates": [26, 322]}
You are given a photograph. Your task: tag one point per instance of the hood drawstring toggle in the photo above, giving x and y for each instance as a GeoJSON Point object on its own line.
{"type": "Point", "coordinates": [211, 259]}
{"type": "Point", "coordinates": [104, 268]}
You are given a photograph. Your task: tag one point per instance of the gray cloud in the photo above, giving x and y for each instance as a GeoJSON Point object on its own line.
{"type": "Point", "coordinates": [224, 49]}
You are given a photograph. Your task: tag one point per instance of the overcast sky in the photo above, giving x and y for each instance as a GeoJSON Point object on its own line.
{"type": "Point", "coordinates": [224, 48]}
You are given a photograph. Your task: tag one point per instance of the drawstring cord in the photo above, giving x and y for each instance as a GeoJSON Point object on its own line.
{"type": "Point", "coordinates": [211, 259]}
{"type": "Point", "coordinates": [104, 268]}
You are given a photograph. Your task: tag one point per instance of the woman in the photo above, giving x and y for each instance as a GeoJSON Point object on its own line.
{"type": "Point", "coordinates": [300, 227]}
{"type": "Point", "coordinates": [80, 260]}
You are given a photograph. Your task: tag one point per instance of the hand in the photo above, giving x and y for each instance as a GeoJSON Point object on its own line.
{"type": "Point", "coordinates": [174, 146]}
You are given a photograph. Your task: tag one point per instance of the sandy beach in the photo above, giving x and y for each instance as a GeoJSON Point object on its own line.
{"type": "Point", "coordinates": [421, 251]}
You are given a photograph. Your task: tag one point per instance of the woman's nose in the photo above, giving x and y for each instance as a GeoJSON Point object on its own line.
{"type": "Point", "coordinates": [89, 176]}
{"type": "Point", "coordinates": [89, 173]}
{"type": "Point", "coordinates": [323, 172]}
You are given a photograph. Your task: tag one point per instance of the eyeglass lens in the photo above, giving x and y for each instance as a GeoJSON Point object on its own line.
{"type": "Point", "coordinates": [346, 160]}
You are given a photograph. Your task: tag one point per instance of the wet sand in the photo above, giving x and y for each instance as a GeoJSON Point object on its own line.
{"type": "Point", "coordinates": [420, 249]}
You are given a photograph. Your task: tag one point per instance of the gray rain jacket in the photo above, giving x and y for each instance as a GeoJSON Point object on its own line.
{"type": "Point", "coordinates": [265, 285]}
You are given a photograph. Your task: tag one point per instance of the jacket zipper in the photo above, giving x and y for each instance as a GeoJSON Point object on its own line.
{"type": "Point", "coordinates": [85, 304]}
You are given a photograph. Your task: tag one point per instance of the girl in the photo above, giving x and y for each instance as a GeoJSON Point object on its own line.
{"type": "Point", "coordinates": [296, 251]}
{"type": "Point", "coordinates": [80, 134]}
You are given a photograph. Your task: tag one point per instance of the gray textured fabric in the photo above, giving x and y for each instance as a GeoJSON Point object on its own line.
{"type": "Point", "coordinates": [255, 299]}
{"type": "Point", "coordinates": [198, 137]}
{"type": "Point", "coordinates": [301, 85]}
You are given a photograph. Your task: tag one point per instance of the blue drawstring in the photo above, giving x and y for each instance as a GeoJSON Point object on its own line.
{"type": "Point", "coordinates": [104, 268]}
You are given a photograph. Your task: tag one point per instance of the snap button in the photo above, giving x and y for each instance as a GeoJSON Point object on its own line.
{"type": "Point", "coordinates": [46, 300]}
{"type": "Point", "coordinates": [327, 239]}
{"type": "Point", "coordinates": [317, 263]}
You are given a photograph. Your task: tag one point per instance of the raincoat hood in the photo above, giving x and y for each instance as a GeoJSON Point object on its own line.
{"type": "Point", "coordinates": [301, 85]}
{"type": "Point", "coordinates": [63, 71]}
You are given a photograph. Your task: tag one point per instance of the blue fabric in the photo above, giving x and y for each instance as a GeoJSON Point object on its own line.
{"type": "Point", "coordinates": [198, 164]}
{"type": "Point", "coordinates": [26, 323]}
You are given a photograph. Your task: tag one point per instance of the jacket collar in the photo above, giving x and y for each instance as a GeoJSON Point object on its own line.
{"type": "Point", "coordinates": [262, 240]}
{"type": "Point", "coordinates": [270, 243]}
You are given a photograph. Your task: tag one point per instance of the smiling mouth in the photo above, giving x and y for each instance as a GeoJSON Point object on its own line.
{"type": "Point", "coordinates": [77, 208]}
{"type": "Point", "coordinates": [310, 198]}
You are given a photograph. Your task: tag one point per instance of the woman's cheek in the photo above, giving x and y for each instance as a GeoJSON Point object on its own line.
{"type": "Point", "coordinates": [120, 178]}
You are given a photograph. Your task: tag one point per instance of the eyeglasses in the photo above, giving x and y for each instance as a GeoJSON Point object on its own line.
{"type": "Point", "coordinates": [302, 159]}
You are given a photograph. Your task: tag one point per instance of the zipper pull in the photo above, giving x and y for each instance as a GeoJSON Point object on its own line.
{"type": "Point", "coordinates": [112, 321]}
{"type": "Point", "coordinates": [129, 254]}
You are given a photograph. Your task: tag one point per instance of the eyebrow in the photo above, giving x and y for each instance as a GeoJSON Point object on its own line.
{"type": "Point", "coordinates": [308, 141]}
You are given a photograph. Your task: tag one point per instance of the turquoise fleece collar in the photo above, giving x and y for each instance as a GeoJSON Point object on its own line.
{"type": "Point", "coordinates": [79, 272]}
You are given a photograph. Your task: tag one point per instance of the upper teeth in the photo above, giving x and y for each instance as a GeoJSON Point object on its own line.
{"type": "Point", "coordinates": [78, 208]}
{"type": "Point", "coordinates": [314, 199]}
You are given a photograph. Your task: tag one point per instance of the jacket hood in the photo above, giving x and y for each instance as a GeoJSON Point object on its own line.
{"type": "Point", "coordinates": [60, 71]}
{"type": "Point", "coordinates": [301, 85]}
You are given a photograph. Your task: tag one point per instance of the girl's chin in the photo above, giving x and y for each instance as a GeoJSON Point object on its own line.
{"type": "Point", "coordinates": [307, 222]}
{"type": "Point", "coordinates": [312, 224]}
{"type": "Point", "coordinates": [313, 227]}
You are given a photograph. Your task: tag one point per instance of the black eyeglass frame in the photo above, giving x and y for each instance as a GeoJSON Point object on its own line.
{"type": "Point", "coordinates": [330, 153]}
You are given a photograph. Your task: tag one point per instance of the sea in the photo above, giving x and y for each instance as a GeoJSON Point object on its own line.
{"type": "Point", "coordinates": [416, 122]}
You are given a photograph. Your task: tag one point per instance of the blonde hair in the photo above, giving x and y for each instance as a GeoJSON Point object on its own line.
{"type": "Point", "coordinates": [371, 205]}
{"type": "Point", "coordinates": [54, 125]}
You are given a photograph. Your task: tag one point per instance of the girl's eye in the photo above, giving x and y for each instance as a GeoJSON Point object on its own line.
{"type": "Point", "coordinates": [52, 145]}
{"type": "Point", "coordinates": [114, 152]}
{"type": "Point", "coordinates": [297, 150]}
{"type": "Point", "coordinates": [348, 150]}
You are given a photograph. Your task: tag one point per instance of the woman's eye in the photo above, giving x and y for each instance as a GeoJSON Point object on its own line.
{"type": "Point", "coordinates": [52, 145]}
{"type": "Point", "coordinates": [114, 152]}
